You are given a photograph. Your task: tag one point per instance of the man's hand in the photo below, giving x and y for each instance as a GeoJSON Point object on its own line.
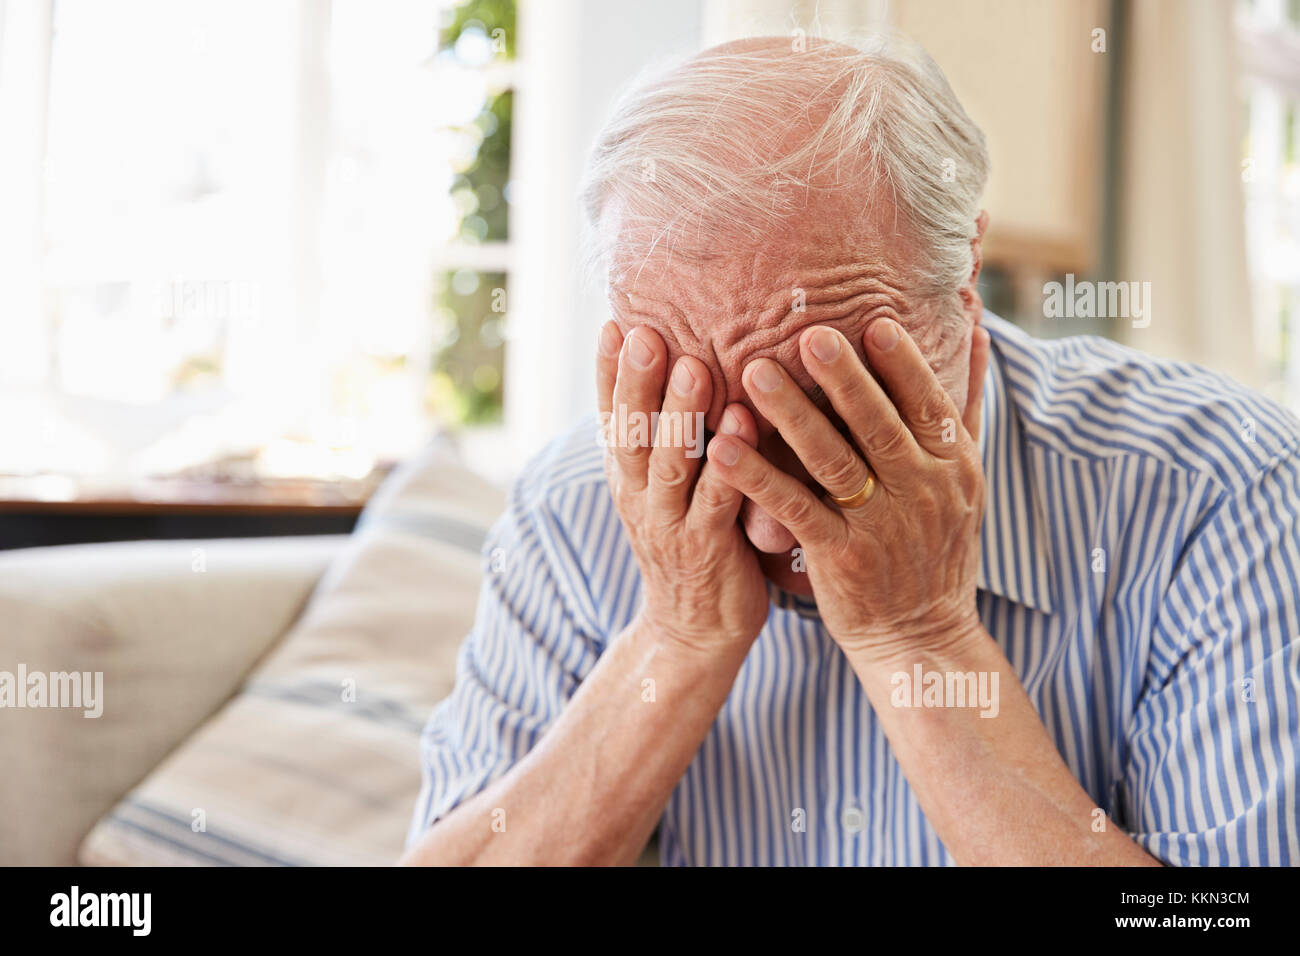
{"type": "Point", "coordinates": [895, 583]}
{"type": "Point", "coordinates": [701, 579]}
{"type": "Point", "coordinates": [898, 573]}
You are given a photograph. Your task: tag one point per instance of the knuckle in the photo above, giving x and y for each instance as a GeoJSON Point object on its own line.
{"type": "Point", "coordinates": [800, 415]}
{"type": "Point", "coordinates": [932, 412]}
{"type": "Point", "coordinates": [970, 476]}
{"type": "Point", "coordinates": [708, 499]}
{"type": "Point", "coordinates": [763, 486]}
{"type": "Point", "coordinates": [890, 440]}
{"type": "Point", "coordinates": [667, 473]}
{"type": "Point", "coordinates": [797, 509]}
{"type": "Point", "coordinates": [928, 500]}
{"type": "Point", "coordinates": [850, 390]}
{"type": "Point", "coordinates": [631, 459]}
{"type": "Point", "coordinates": [842, 469]}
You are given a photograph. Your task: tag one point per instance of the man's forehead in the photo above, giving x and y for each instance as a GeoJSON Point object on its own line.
{"type": "Point", "coordinates": [827, 226]}
{"type": "Point", "coordinates": [753, 294]}
{"type": "Point", "coordinates": [726, 301]}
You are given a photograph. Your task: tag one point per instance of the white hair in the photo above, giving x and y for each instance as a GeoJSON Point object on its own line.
{"type": "Point", "coordinates": [725, 143]}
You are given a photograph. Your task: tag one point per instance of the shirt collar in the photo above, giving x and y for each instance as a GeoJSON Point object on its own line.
{"type": "Point", "coordinates": [1015, 555]}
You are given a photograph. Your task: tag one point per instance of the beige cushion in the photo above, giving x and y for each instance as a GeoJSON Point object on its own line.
{"type": "Point", "coordinates": [316, 761]}
{"type": "Point", "coordinates": [175, 627]}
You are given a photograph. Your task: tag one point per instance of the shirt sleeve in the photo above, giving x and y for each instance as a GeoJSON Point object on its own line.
{"type": "Point", "coordinates": [516, 670]}
{"type": "Point", "coordinates": [1211, 772]}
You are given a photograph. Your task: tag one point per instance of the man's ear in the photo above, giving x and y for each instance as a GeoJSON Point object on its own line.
{"type": "Point", "coordinates": [972, 305]}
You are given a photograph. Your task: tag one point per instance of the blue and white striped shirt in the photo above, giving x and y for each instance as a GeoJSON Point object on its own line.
{"type": "Point", "coordinates": [1139, 564]}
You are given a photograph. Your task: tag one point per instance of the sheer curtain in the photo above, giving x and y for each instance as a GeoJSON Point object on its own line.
{"type": "Point", "coordinates": [1182, 225]}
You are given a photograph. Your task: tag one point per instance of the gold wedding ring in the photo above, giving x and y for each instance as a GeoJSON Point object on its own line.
{"type": "Point", "coordinates": [859, 497]}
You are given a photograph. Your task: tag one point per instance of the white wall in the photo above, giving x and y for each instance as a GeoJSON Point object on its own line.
{"type": "Point", "coordinates": [575, 57]}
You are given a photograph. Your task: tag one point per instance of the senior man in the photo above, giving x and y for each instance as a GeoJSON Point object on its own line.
{"type": "Point", "coordinates": [939, 593]}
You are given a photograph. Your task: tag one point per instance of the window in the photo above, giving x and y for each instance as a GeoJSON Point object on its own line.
{"type": "Point", "coordinates": [1270, 56]}
{"type": "Point", "coordinates": [259, 238]}
{"type": "Point", "coordinates": [477, 42]}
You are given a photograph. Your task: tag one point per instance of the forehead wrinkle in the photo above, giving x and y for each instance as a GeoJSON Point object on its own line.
{"type": "Point", "coordinates": [671, 323]}
{"type": "Point", "coordinates": [863, 280]}
{"type": "Point", "coordinates": [676, 319]}
{"type": "Point", "coordinates": [839, 290]}
{"type": "Point", "coordinates": [755, 342]}
{"type": "Point", "coordinates": [840, 286]}
{"type": "Point", "coordinates": [746, 343]}
{"type": "Point", "coordinates": [728, 327]}
{"type": "Point", "coordinates": [769, 347]}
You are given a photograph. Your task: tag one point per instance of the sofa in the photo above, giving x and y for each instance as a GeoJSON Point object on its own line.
{"type": "Point", "coordinates": [262, 698]}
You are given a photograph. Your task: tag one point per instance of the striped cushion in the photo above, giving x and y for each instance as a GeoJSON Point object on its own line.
{"type": "Point", "coordinates": [316, 761]}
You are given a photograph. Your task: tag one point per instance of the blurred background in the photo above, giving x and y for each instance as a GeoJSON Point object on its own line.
{"type": "Point", "coordinates": [255, 252]}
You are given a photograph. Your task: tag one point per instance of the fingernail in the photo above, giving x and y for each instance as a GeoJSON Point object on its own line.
{"type": "Point", "coordinates": [884, 335]}
{"type": "Point", "coordinates": [729, 425]}
{"type": "Point", "coordinates": [640, 354]}
{"type": "Point", "coordinates": [825, 344]}
{"type": "Point", "coordinates": [766, 377]}
{"type": "Point", "coordinates": [725, 452]}
{"type": "Point", "coordinates": [609, 339]}
{"type": "Point", "coordinates": [683, 380]}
